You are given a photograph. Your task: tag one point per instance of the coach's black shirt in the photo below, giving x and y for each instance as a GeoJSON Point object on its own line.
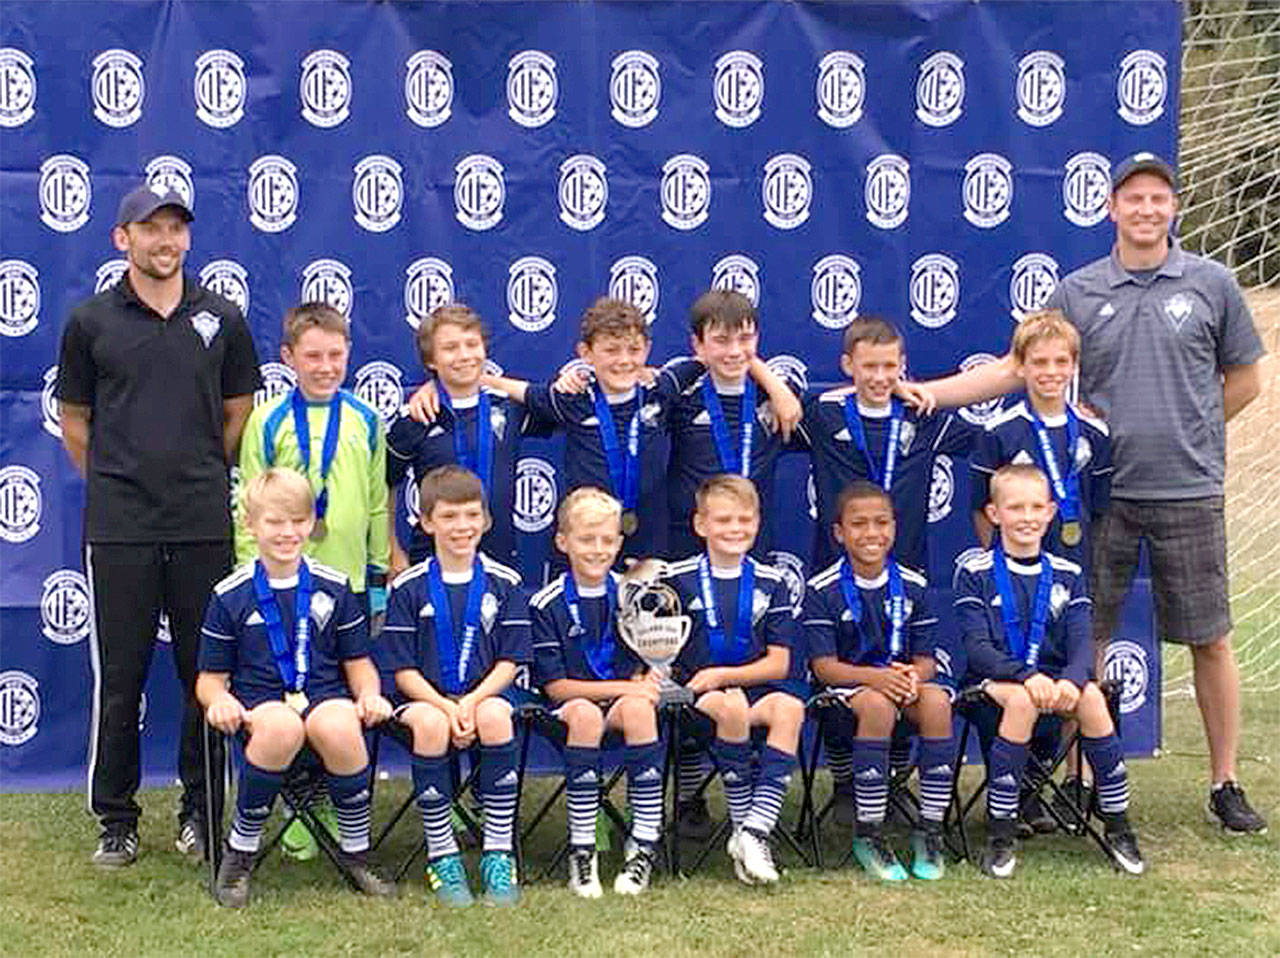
{"type": "Point", "coordinates": [156, 465]}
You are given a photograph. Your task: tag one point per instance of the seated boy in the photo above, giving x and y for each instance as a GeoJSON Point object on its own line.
{"type": "Point", "coordinates": [598, 685]}
{"type": "Point", "coordinates": [283, 654]}
{"type": "Point", "coordinates": [457, 629]}
{"type": "Point", "coordinates": [1024, 615]}
{"type": "Point", "coordinates": [872, 638]}
{"type": "Point", "coordinates": [738, 662]}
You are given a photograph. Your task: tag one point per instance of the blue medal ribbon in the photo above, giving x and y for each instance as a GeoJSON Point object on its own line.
{"type": "Point", "coordinates": [454, 661]}
{"type": "Point", "coordinates": [293, 661]}
{"type": "Point", "coordinates": [302, 427]}
{"type": "Point", "coordinates": [723, 650]}
{"type": "Point", "coordinates": [853, 420]}
{"type": "Point", "coordinates": [1066, 486]}
{"type": "Point", "coordinates": [1024, 644]}
{"type": "Point", "coordinates": [897, 605]}
{"type": "Point", "coordinates": [738, 462]}
{"type": "Point", "coordinates": [599, 651]}
{"type": "Point", "coordinates": [481, 460]}
{"type": "Point", "coordinates": [624, 464]}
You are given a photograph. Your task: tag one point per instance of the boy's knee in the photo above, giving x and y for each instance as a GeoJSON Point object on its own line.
{"type": "Point", "coordinates": [636, 713]}
{"type": "Point", "coordinates": [278, 729]}
{"type": "Point", "coordinates": [874, 708]}
{"type": "Point", "coordinates": [583, 718]}
{"type": "Point", "coordinates": [493, 721]}
{"type": "Point", "coordinates": [430, 728]}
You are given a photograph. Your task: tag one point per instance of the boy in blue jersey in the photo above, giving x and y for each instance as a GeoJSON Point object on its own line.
{"type": "Point", "coordinates": [598, 685]}
{"type": "Point", "coordinates": [742, 665]}
{"type": "Point", "coordinates": [284, 655]}
{"type": "Point", "coordinates": [872, 638]}
{"type": "Point", "coordinates": [1025, 618]}
{"type": "Point", "coordinates": [457, 629]}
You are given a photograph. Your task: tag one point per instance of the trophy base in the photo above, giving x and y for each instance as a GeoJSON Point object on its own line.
{"type": "Point", "coordinates": [675, 695]}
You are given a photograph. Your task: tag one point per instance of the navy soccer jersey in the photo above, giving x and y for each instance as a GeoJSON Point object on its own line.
{"type": "Point", "coordinates": [1067, 649]}
{"type": "Point", "coordinates": [234, 638]}
{"type": "Point", "coordinates": [1011, 437]}
{"type": "Point", "coordinates": [409, 640]}
{"type": "Point", "coordinates": [837, 461]}
{"type": "Point", "coordinates": [588, 649]}
{"type": "Point", "coordinates": [831, 627]}
{"type": "Point", "coordinates": [414, 449]}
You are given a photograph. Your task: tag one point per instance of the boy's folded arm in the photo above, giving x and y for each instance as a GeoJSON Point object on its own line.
{"type": "Point", "coordinates": [562, 690]}
{"type": "Point", "coordinates": [770, 667]}
{"type": "Point", "coordinates": [362, 676]}
{"type": "Point", "coordinates": [497, 679]}
{"type": "Point", "coordinates": [414, 685]}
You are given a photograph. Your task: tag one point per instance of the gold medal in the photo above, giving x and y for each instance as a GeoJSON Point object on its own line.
{"type": "Point", "coordinates": [630, 522]}
{"type": "Point", "coordinates": [319, 531]}
{"type": "Point", "coordinates": [296, 701]}
{"type": "Point", "coordinates": [1071, 533]}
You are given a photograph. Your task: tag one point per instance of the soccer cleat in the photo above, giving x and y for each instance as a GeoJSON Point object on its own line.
{"type": "Point", "coordinates": [447, 879]}
{"type": "Point", "coordinates": [877, 858]}
{"type": "Point", "coordinates": [1123, 845]}
{"type": "Point", "coordinates": [734, 848]}
{"type": "Point", "coordinates": [584, 874]}
{"type": "Point", "coordinates": [843, 811]}
{"type": "Point", "coordinates": [366, 880]}
{"type": "Point", "coordinates": [693, 820]}
{"type": "Point", "coordinates": [231, 889]}
{"type": "Point", "coordinates": [1000, 857]}
{"type": "Point", "coordinates": [1229, 808]}
{"type": "Point", "coordinates": [117, 846]}
{"type": "Point", "coordinates": [757, 857]}
{"type": "Point", "coordinates": [498, 875]}
{"type": "Point", "coordinates": [190, 840]}
{"type": "Point", "coordinates": [927, 862]}
{"type": "Point", "coordinates": [636, 873]}
{"type": "Point", "coordinates": [1035, 817]}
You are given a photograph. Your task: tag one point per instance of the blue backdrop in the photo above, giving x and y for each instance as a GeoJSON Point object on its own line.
{"type": "Point", "coordinates": [938, 163]}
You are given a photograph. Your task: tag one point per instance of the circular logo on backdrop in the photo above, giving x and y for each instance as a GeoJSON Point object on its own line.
{"type": "Point", "coordinates": [792, 570]}
{"type": "Point", "coordinates": [20, 504]}
{"type": "Point", "coordinates": [273, 194]}
{"type": "Point", "coordinates": [109, 274]}
{"type": "Point", "coordinates": [229, 280]}
{"type": "Point", "coordinates": [379, 384]}
{"type": "Point", "coordinates": [583, 192]}
{"type": "Point", "coordinates": [1041, 88]}
{"type": "Point", "coordinates": [836, 291]}
{"type": "Point", "coordinates": [790, 369]}
{"type": "Point", "coordinates": [532, 88]}
{"type": "Point", "coordinates": [377, 192]}
{"type": "Point", "coordinates": [19, 707]}
{"type": "Point", "coordinates": [478, 191]}
{"type": "Point", "coordinates": [166, 173]}
{"type": "Point", "coordinates": [221, 88]}
{"type": "Point", "coordinates": [787, 191]}
{"type": "Point", "coordinates": [17, 87]}
{"type": "Point", "coordinates": [277, 379]}
{"type": "Point", "coordinates": [428, 88]}
{"type": "Point", "coordinates": [738, 88]}
{"type": "Point", "coordinates": [49, 409]}
{"type": "Point", "coordinates": [1086, 187]}
{"type": "Point", "coordinates": [634, 279]}
{"type": "Point", "coordinates": [117, 87]}
{"type": "Point", "coordinates": [738, 274]}
{"type": "Point", "coordinates": [935, 290]}
{"type": "Point", "coordinates": [65, 193]}
{"type": "Point", "coordinates": [1142, 87]}
{"type": "Point", "coordinates": [942, 488]}
{"type": "Point", "coordinates": [1125, 663]}
{"type": "Point", "coordinates": [531, 294]}
{"type": "Point", "coordinates": [841, 89]}
{"type": "Point", "coordinates": [325, 88]}
{"type": "Point", "coordinates": [940, 90]}
{"type": "Point", "coordinates": [980, 413]}
{"type": "Point", "coordinates": [64, 607]}
{"type": "Point", "coordinates": [635, 88]}
{"type": "Point", "coordinates": [535, 497]}
{"type": "Point", "coordinates": [428, 284]}
{"type": "Point", "coordinates": [686, 191]}
{"type": "Point", "coordinates": [19, 297]}
{"type": "Point", "coordinates": [887, 191]}
{"type": "Point", "coordinates": [328, 281]}
{"type": "Point", "coordinates": [1035, 276]}
{"type": "Point", "coordinates": [988, 190]}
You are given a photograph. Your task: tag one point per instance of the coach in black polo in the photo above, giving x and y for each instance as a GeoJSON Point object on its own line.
{"type": "Point", "coordinates": [155, 380]}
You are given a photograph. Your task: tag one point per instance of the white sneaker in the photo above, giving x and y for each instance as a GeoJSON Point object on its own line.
{"type": "Point", "coordinates": [735, 850]}
{"type": "Point", "coordinates": [584, 875]}
{"type": "Point", "coordinates": [636, 873]}
{"type": "Point", "coordinates": [757, 858]}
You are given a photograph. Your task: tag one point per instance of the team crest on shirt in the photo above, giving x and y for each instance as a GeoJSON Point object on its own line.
{"type": "Point", "coordinates": [377, 193]}
{"type": "Point", "coordinates": [206, 324]}
{"type": "Point", "coordinates": [17, 88]}
{"type": "Point", "coordinates": [220, 88]}
{"type": "Point", "coordinates": [1178, 309]}
{"type": "Point", "coordinates": [532, 88]}
{"type": "Point", "coordinates": [1035, 277]}
{"type": "Point", "coordinates": [1125, 663]}
{"type": "Point", "coordinates": [1142, 87]}
{"type": "Point", "coordinates": [19, 707]}
{"type": "Point", "coordinates": [49, 408]}
{"type": "Point", "coordinates": [66, 193]}
{"type": "Point", "coordinates": [328, 281]}
{"type": "Point", "coordinates": [906, 435]}
{"type": "Point", "coordinates": [942, 488]}
{"type": "Point", "coordinates": [325, 88]}
{"type": "Point", "coordinates": [1086, 187]}
{"type": "Point", "coordinates": [738, 274]}
{"type": "Point", "coordinates": [987, 190]}
{"type": "Point", "coordinates": [488, 611]}
{"type": "Point", "coordinates": [841, 89]}
{"type": "Point", "coordinates": [273, 194]}
{"type": "Point", "coordinates": [1041, 88]}
{"type": "Point", "coordinates": [836, 291]}
{"type": "Point", "coordinates": [940, 90]}
{"type": "Point", "coordinates": [635, 88]}
{"type": "Point", "coordinates": [64, 607]}
{"type": "Point", "coordinates": [19, 298]}
{"type": "Point", "coordinates": [634, 279]}
{"type": "Point", "coordinates": [583, 192]}
{"type": "Point", "coordinates": [21, 504]}
{"type": "Point", "coordinates": [980, 413]}
{"type": "Point", "coordinates": [535, 497]}
{"type": "Point", "coordinates": [498, 421]}
{"type": "Point", "coordinates": [322, 606]}
{"type": "Point", "coordinates": [378, 383]}
{"type": "Point", "coordinates": [277, 379]}
{"type": "Point", "coordinates": [1083, 452]}
{"type": "Point", "coordinates": [887, 191]}
{"type": "Point", "coordinates": [759, 605]}
{"type": "Point", "coordinates": [934, 290]}
{"type": "Point", "coordinates": [118, 88]}
{"type": "Point", "coordinates": [1059, 596]}
{"type": "Point", "coordinates": [686, 191]}
{"type": "Point", "coordinates": [739, 88]}
{"type": "Point", "coordinates": [787, 191]}
{"type": "Point", "coordinates": [165, 173]}
{"type": "Point", "coordinates": [428, 88]}
{"type": "Point", "coordinates": [229, 280]}
{"type": "Point", "coordinates": [531, 294]}
{"type": "Point", "coordinates": [479, 191]}
{"type": "Point", "coordinates": [428, 285]}
{"type": "Point", "coordinates": [109, 274]}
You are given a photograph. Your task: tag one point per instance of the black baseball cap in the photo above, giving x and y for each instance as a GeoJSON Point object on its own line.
{"type": "Point", "coordinates": [1143, 163]}
{"type": "Point", "coordinates": [138, 204]}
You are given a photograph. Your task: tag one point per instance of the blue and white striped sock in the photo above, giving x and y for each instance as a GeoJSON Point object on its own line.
{"type": "Point", "coordinates": [432, 785]}
{"type": "Point", "coordinates": [690, 774]}
{"type": "Point", "coordinates": [644, 790]}
{"type": "Point", "coordinates": [840, 762]}
{"type": "Point", "coordinates": [936, 772]}
{"type": "Point", "coordinates": [1004, 772]}
{"type": "Point", "coordinates": [871, 779]}
{"type": "Point", "coordinates": [349, 795]}
{"type": "Point", "coordinates": [497, 784]}
{"type": "Point", "coordinates": [258, 790]}
{"type": "Point", "coordinates": [582, 794]}
{"type": "Point", "coordinates": [1110, 777]}
{"type": "Point", "coordinates": [734, 760]}
{"type": "Point", "coordinates": [776, 769]}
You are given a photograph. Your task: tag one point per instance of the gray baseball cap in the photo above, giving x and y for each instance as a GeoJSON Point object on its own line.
{"type": "Point", "coordinates": [1143, 163]}
{"type": "Point", "coordinates": [140, 203]}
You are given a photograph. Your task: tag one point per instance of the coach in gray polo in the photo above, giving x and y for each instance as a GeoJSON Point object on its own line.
{"type": "Point", "coordinates": [1169, 355]}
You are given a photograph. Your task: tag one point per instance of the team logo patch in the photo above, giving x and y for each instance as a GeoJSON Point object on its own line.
{"type": "Point", "coordinates": [787, 191]}
{"type": "Point", "coordinates": [942, 488]}
{"type": "Point", "coordinates": [229, 280]}
{"type": "Point", "coordinates": [535, 499]}
{"type": "Point", "coordinates": [940, 90]}
{"type": "Point", "coordinates": [325, 88]}
{"type": "Point", "coordinates": [50, 409]}
{"type": "Point", "coordinates": [1177, 309]}
{"type": "Point", "coordinates": [277, 379]}
{"type": "Point", "coordinates": [221, 88]}
{"type": "Point", "coordinates": [738, 88]}
{"type": "Point", "coordinates": [1041, 88]}
{"type": "Point", "coordinates": [1035, 277]}
{"type": "Point", "coordinates": [64, 607]}
{"type": "Point", "coordinates": [118, 88]}
{"type": "Point", "coordinates": [792, 570]}
{"type": "Point", "coordinates": [19, 298]}
{"type": "Point", "coordinates": [836, 291]}
{"type": "Point", "coordinates": [428, 284]}
{"type": "Point", "coordinates": [273, 194]}
{"type": "Point", "coordinates": [532, 88]}
{"type": "Point", "coordinates": [583, 192]}
{"type": "Point", "coordinates": [1059, 596]}
{"type": "Point", "coordinates": [1125, 663]}
{"type": "Point", "coordinates": [19, 707]}
{"type": "Point", "coordinates": [531, 294]}
{"type": "Point", "coordinates": [1086, 187]}
{"type": "Point", "coordinates": [428, 88]}
{"type": "Point", "coordinates": [206, 324]}
{"type": "Point", "coordinates": [634, 279]}
{"type": "Point", "coordinates": [635, 88]}
{"type": "Point", "coordinates": [479, 191]}
{"type": "Point", "coordinates": [738, 274]}
{"type": "Point", "coordinates": [166, 173]}
{"type": "Point", "coordinates": [887, 191]}
{"type": "Point", "coordinates": [791, 369]}
{"type": "Point", "coordinates": [17, 88]}
{"type": "Point", "coordinates": [841, 89]}
{"type": "Point", "coordinates": [935, 290]}
{"type": "Point", "coordinates": [1083, 452]}
{"type": "Point", "coordinates": [1142, 87]}
{"type": "Point", "coordinates": [988, 190]}
{"type": "Point", "coordinates": [377, 193]}
{"type": "Point", "coordinates": [378, 384]}
{"type": "Point", "coordinates": [65, 193]}
{"type": "Point", "coordinates": [686, 191]}
{"type": "Point", "coordinates": [20, 504]}
{"type": "Point", "coordinates": [982, 412]}
{"type": "Point", "coordinates": [413, 512]}
{"type": "Point", "coordinates": [328, 281]}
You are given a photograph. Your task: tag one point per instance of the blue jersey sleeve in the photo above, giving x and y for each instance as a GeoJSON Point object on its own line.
{"type": "Point", "coordinates": [351, 627]}
{"type": "Point", "coordinates": [1100, 473]}
{"type": "Point", "coordinates": [922, 625]}
{"type": "Point", "coordinates": [396, 648]}
{"type": "Point", "coordinates": [515, 641]}
{"type": "Point", "coordinates": [218, 639]}
{"type": "Point", "coordinates": [1079, 635]}
{"type": "Point", "coordinates": [404, 443]}
{"type": "Point", "coordinates": [820, 623]}
{"type": "Point", "coordinates": [983, 462]}
{"type": "Point", "coordinates": [542, 409]}
{"type": "Point", "coordinates": [956, 437]}
{"type": "Point", "coordinates": [780, 624]}
{"type": "Point", "coordinates": [548, 650]}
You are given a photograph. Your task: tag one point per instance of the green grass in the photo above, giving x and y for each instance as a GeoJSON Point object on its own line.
{"type": "Point", "coordinates": [1203, 894]}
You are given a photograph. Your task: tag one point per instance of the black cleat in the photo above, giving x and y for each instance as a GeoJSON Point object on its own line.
{"type": "Point", "coordinates": [1000, 857]}
{"type": "Point", "coordinates": [1229, 808]}
{"type": "Point", "coordinates": [366, 880]}
{"type": "Point", "coordinates": [1036, 817]}
{"type": "Point", "coordinates": [117, 846]}
{"type": "Point", "coordinates": [231, 890]}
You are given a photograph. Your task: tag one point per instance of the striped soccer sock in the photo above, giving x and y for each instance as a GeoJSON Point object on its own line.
{"type": "Point", "coordinates": [258, 790]}
{"type": "Point", "coordinates": [776, 769]}
{"type": "Point", "coordinates": [349, 795]}
{"type": "Point", "coordinates": [1004, 777]}
{"type": "Point", "coordinates": [497, 782]}
{"type": "Point", "coordinates": [432, 785]}
{"type": "Point", "coordinates": [1110, 777]}
{"type": "Point", "coordinates": [644, 790]}
{"type": "Point", "coordinates": [734, 759]}
{"type": "Point", "coordinates": [871, 779]}
{"type": "Point", "coordinates": [936, 771]}
{"type": "Point", "coordinates": [582, 794]}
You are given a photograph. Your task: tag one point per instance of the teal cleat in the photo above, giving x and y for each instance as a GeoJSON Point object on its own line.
{"type": "Point", "coordinates": [927, 862]}
{"type": "Point", "coordinates": [498, 875]}
{"type": "Point", "coordinates": [877, 858]}
{"type": "Point", "coordinates": [447, 878]}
